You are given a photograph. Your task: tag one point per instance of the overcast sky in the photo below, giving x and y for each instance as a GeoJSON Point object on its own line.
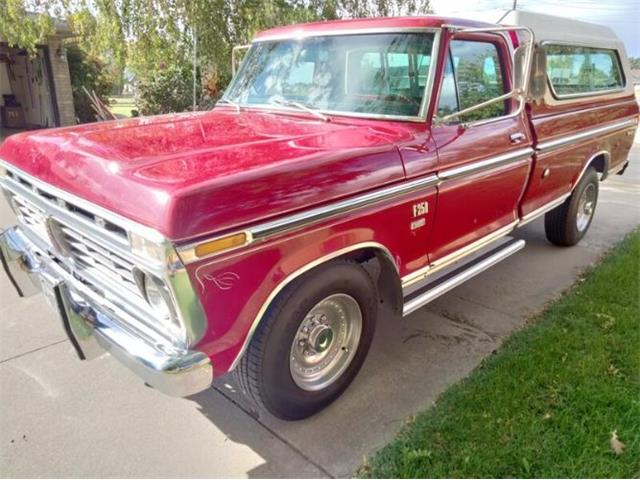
{"type": "Point", "coordinates": [623, 16]}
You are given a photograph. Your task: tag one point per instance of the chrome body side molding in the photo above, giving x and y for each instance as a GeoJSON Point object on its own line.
{"type": "Point", "coordinates": [529, 217]}
{"type": "Point", "coordinates": [576, 137]}
{"type": "Point", "coordinates": [459, 276]}
{"type": "Point", "coordinates": [494, 162]}
{"type": "Point", "coordinates": [265, 230]}
{"type": "Point", "coordinates": [453, 257]}
{"type": "Point", "coordinates": [321, 213]}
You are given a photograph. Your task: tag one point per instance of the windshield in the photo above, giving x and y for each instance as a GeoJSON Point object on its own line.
{"type": "Point", "coordinates": [379, 74]}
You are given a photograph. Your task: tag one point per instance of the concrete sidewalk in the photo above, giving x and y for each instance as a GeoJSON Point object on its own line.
{"type": "Point", "coordinates": [62, 417]}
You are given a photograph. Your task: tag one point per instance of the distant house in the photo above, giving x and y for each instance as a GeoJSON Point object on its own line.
{"type": "Point", "coordinates": [35, 91]}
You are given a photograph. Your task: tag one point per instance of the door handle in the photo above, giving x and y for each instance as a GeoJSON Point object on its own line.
{"type": "Point", "coordinates": [517, 137]}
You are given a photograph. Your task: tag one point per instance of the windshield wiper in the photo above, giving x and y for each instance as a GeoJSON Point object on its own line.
{"type": "Point", "coordinates": [300, 106]}
{"type": "Point", "coordinates": [229, 102]}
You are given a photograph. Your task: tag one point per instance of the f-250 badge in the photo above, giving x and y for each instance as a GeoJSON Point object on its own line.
{"type": "Point", "coordinates": [420, 209]}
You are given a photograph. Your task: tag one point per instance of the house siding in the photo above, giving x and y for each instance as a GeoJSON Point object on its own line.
{"type": "Point", "coordinates": [61, 84]}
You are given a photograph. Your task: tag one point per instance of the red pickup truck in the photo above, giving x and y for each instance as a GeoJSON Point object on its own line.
{"type": "Point", "coordinates": [348, 164]}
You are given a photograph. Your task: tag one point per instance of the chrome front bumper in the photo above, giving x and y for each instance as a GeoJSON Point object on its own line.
{"type": "Point", "coordinates": [95, 325]}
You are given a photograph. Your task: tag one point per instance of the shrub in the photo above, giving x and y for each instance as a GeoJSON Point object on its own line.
{"type": "Point", "coordinates": [90, 73]}
{"type": "Point", "coordinates": [168, 90]}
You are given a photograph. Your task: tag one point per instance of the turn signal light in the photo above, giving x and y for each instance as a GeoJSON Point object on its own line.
{"type": "Point", "coordinates": [220, 244]}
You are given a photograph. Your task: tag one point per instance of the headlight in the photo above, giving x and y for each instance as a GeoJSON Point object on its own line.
{"type": "Point", "coordinates": [157, 295]}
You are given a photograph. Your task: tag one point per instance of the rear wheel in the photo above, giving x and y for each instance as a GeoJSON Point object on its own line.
{"type": "Point", "coordinates": [567, 224]}
{"type": "Point", "coordinates": [312, 341]}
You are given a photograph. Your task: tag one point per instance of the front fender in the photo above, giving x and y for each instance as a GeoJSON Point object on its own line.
{"type": "Point", "coordinates": [236, 289]}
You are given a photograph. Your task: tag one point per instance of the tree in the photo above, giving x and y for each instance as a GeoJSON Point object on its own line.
{"type": "Point", "coordinates": [25, 27]}
{"type": "Point", "coordinates": [87, 72]}
{"type": "Point", "coordinates": [151, 36]}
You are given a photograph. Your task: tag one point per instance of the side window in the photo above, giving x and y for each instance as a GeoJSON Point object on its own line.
{"type": "Point", "coordinates": [477, 70]}
{"type": "Point", "coordinates": [574, 70]}
{"type": "Point", "coordinates": [448, 102]}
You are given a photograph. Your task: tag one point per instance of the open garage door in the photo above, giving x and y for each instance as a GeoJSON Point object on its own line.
{"type": "Point", "coordinates": [26, 100]}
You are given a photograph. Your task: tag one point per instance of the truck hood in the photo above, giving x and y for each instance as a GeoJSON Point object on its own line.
{"type": "Point", "coordinates": [192, 174]}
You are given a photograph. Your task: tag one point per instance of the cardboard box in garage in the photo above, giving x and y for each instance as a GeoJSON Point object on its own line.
{"type": "Point", "coordinates": [12, 117]}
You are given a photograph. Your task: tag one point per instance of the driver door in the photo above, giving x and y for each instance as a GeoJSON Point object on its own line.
{"type": "Point", "coordinates": [484, 156]}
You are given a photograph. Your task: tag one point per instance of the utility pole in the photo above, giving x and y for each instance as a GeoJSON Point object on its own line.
{"type": "Point", "coordinates": [515, 4]}
{"type": "Point", "coordinates": [195, 56]}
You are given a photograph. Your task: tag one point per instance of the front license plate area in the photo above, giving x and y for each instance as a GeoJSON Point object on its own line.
{"type": "Point", "coordinates": [49, 292]}
{"type": "Point", "coordinates": [53, 295]}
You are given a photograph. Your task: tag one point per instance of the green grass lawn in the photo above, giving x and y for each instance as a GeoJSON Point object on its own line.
{"type": "Point", "coordinates": [122, 106]}
{"type": "Point", "coordinates": [547, 403]}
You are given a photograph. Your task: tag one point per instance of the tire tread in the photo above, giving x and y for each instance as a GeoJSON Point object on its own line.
{"type": "Point", "coordinates": [248, 371]}
{"type": "Point", "coordinates": [560, 223]}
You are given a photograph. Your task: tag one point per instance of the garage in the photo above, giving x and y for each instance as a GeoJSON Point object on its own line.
{"type": "Point", "coordinates": [35, 88]}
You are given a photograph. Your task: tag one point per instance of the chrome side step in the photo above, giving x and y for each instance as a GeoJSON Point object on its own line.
{"type": "Point", "coordinates": [418, 295]}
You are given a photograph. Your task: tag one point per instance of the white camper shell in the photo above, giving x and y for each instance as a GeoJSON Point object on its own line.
{"type": "Point", "coordinates": [553, 32]}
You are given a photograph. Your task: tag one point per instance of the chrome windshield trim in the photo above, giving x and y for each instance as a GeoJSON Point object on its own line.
{"type": "Point", "coordinates": [426, 95]}
{"type": "Point", "coordinates": [271, 108]}
{"type": "Point", "coordinates": [489, 163]}
{"type": "Point", "coordinates": [562, 141]}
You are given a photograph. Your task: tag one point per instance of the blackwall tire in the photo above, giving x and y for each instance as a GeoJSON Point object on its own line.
{"type": "Point", "coordinates": [312, 341]}
{"type": "Point", "coordinates": [568, 223]}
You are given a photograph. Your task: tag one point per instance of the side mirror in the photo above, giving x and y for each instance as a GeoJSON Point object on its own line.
{"type": "Point", "coordinates": [520, 68]}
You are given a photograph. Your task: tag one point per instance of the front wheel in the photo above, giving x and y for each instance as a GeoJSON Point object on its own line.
{"type": "Point", "coordinates": [567, 224]}
{"type": "Point", "coordinates": [312, 341]}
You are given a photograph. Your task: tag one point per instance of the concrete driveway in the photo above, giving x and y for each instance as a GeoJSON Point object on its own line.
{"type": "Point", "coordinates": [63, 417]}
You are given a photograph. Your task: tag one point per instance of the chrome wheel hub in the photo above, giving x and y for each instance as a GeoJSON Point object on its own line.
{"type": "Point", "coordinates": [326, 342]}
{"type": "Point", "coordinates": [586, 207]}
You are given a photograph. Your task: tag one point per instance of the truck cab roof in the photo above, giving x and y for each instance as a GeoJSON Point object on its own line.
{"type": "Point", "coordinates": [365, 25]}
{"type": "Point", "coordinates": [547, 28]}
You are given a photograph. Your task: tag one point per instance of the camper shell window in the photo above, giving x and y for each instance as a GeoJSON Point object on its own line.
{"type": "Point", "coordinates": [575, 70]}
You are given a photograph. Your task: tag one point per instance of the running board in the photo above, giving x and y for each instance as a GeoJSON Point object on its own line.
{"type": "Point", "coordinates": [458, 273]}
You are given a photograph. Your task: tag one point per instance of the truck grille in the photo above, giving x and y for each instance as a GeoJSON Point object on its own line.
{"type": "Point", "coordinates": [100, 264]}
{"type": "Point", "coordinates": [89, 246]}
{"type": "Point", "coordinates": [31, 216]}
{"type": "Point", "coordinates": [96, 264]}
{"type": "Point", "coordinates": [110, 228]}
